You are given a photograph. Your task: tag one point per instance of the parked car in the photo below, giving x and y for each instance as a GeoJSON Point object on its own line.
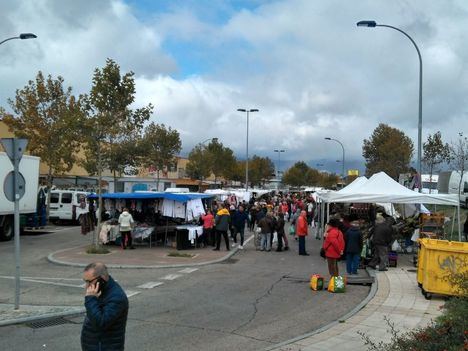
{"type": "Point", "coordinates": [67, 205]}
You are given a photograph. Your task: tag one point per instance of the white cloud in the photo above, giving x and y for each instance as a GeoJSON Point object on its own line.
{"type": "Point", "coordinates": [304, 64]}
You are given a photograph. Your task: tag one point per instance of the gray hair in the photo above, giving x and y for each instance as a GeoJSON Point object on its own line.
{"type": "Point", "coordinates": [99, 269]}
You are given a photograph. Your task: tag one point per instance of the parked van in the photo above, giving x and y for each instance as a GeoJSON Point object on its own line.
{"type": "Point", "coordinates": [67, 205]}
{"type": "Point", "coordinates": [448, 184]}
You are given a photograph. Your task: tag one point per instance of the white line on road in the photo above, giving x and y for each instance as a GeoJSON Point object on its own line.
{"type": "Point", "coordinates": [41, 278]}
{"type": "Point", "coordinates": [44, 282]}
{"type": "Point", "coordinates": [188, 270]}
{"type": "Point", "coordinates": [150, 285]}
{"type": "Point", "coordinates": [171, 276]}
{"type": "Point", "coordinates": [131, 293]}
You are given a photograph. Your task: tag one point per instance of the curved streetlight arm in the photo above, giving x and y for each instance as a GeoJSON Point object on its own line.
{"type": "Point", "coordinates": [342, 147]}
{"type": "Point", "coordinates": [374, 24]}
{"type": "Point", "coordinates": [1, 42]}
{"type": "Point", "coordinates": [21, 36]}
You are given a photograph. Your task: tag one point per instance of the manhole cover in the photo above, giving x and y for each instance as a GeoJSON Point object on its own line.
{"type": "Point", "coordinates": [412, 270]}
{"type": "Point", "coordinates": [230, 261]}
{"type": "Point", "coordinates": [44, 323]}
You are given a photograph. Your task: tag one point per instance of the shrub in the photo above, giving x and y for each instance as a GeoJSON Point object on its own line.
{"type": "Point", "coordinates": [99, 250]}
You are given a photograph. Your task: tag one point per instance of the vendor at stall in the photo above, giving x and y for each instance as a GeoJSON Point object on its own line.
{"type": "Point", "coordinates": [126, 223]}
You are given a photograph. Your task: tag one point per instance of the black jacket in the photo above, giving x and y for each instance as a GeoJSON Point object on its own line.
{"type": "Point", "coordinates": [239, 219]}
{"type": "Point", "coordinates": [353, 240]}
{"type": "Point", "coordinates": [280, 225]}
{"type": "Point", "coordinates": [106, 319]}
{"type": "Point", "coordinates": [383, 233]}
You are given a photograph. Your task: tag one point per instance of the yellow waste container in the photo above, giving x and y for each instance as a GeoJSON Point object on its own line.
{"type": "Point", "coordinates": [437, 260]}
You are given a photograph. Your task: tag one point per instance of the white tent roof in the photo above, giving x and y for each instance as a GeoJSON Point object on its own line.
{"type": "Point", "coordinates": [381, 188]}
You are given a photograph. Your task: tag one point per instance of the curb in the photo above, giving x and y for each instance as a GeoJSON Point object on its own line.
{"type": "Point", "coordinates": [360, 306]}
{"type": "Point", "coordinates": [233, 251]}
{"type": "Point", "coordinates": [76, 311]}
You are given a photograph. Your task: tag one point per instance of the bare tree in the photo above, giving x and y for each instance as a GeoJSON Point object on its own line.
{"type": "Point", "coordinates": [459, 159]}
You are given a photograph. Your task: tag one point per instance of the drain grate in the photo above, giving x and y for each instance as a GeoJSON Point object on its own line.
{"type": "Point", "coordinates": [412, 270]}
{"type": "Point", "coordinates": [45, 323]}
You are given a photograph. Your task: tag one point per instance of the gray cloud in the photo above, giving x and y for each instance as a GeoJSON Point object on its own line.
{"type": "Point", "coordinates": [304, 64]}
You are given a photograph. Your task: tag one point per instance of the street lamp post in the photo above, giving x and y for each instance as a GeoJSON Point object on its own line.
{"type": "Point", "coordinates": [247, 146]}
{"type": "Point", "coordinates": [372, 24]}
{"type": "Point", "coordinates": [21, 36]}
{"type": "Point", "coordinates": [201, 143]}
{"type": "Point", "coordinates": [278, 168]}
{"type": "Point", "coordinates": [343, 161]}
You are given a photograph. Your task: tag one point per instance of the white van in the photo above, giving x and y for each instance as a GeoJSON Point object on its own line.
{"type": "Point", "coordinates": [67, 205]}
{"type": "Point", "coordinates": [449, 184]}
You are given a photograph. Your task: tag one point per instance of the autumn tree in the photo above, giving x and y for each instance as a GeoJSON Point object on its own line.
{"type": "Point", "coordinates": [48, 115]}
{"type": "Point", "coordinates": [109, 120]}
{"type": "Point", "coordinates": [260, 170]}
{"type": "Point", "coordinates": [222, 160]}
{"type": "Point", "coordinates": [435, 152]}
{"type": "Point", "coordinates": [199, 164]}
{"type": "Point", "coordinates": [297, 175]}
{"type": "Point", "coordinates": [388, 150]}
{"type": "Point", "coordinates": [459, 160]}
{"type": "Point", "coordinates": [160, 146]}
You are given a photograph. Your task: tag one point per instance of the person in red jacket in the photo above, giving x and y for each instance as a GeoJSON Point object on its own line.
{"type": "Point", "coordinates": [333, 245]}
{"type": "Point", "coordinates": [301, 232]}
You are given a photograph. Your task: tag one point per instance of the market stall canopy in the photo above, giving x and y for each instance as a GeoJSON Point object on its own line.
{"type": "Point", "coordinates": [180, 197]}
{"type": "Point", "coordinates": [381, 188]}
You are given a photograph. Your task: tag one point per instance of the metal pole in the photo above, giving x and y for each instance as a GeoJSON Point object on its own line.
{"type": "Point", "coordinates": [247, 156]}
{"type": "Point", "coordinates": [16, 226]}
{"type": "Point", "coordinates": [420, 100]}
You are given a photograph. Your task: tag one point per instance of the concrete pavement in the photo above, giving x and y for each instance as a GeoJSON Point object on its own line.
{"type": "Point", "coordinates": [395, 295]}
{"type": "Point", "coordinates": [397, 298]}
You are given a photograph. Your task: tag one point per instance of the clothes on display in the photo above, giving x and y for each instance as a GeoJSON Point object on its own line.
{"type": "Point", "coordinates": [193, 231]}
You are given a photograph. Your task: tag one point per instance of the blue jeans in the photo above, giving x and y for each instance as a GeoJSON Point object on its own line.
{"type": "Point", "coordinates": [352, 263]}
{"type": "Point", "coordinates": [265, 243]}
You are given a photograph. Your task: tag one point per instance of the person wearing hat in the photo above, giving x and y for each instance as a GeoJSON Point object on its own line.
{"type": "Point", "coordinates": [381, 239]}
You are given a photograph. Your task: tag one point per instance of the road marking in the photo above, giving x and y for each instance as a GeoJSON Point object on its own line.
{"type": "Point", "coordinates": [150, 285]}
{"type": "Point", "coordinates": [188, 270]}
{"type": "Point", "coordinates": [171, 276]}
{"type": "Point", "coordinates": [41, 278]}
{"type": "Point", "coordinates": [44, 282]}
{"type": "Point", "coordinates": [131, 293]}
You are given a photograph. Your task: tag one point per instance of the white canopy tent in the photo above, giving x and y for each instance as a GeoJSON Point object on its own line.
{"type": "Point", "coordinates": [381, 188]}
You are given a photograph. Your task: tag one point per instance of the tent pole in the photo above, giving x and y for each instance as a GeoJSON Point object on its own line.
{"type": "Point", "coordinates": [453, 224]}
{"type": "Point", "coordinates": [459, 223]}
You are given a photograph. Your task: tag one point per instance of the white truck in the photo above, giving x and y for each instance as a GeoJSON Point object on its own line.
{"type": "Point", "coordinates": [29, 168]}
{"type": "Point", "coordinates": [449, 183]}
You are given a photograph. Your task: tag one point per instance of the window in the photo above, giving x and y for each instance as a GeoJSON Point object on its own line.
{"type": "Point", "coordinates": [67, 198]}
{"type": "Point", "coordinates": [465, 187]}
{"type": "Point", "coordinates": [54, 198]}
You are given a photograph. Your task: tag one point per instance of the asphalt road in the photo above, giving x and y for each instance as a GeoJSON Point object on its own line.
{"type": "Point", "coordinates": [252, 301]}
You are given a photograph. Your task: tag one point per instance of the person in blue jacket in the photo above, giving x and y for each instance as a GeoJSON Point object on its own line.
{"type": "Point", "coordinates": [106, 311]}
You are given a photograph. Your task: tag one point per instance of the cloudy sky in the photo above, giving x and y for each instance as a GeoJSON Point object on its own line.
{"type": "Point", "coordinates": [304, 64]}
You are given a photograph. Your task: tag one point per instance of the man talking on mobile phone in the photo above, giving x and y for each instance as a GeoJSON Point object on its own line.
{"type": "Point", "coordinates": [106, 311]}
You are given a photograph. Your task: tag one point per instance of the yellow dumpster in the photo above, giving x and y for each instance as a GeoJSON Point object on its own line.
{"type": "Point", "coordinates": [437, 260]}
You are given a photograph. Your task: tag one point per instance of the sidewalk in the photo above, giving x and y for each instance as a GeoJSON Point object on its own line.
{"type": "Point", "coordinates": [142, 257]}
{"type": "Point", "coordinates": [398, 298]}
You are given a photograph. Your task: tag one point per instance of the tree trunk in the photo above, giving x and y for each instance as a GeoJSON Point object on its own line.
{"type": "Point", "coordinates": [49, 189]}
{"type": "Point", "coordinates": [99, 214]}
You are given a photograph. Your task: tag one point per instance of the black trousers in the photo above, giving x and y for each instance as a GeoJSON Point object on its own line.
{"type": "Point", "coordinates": [218, 238]}
{"type": "Point", "coordinates": [126, 239]}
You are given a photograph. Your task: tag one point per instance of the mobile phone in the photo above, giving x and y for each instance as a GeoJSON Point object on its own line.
{"type": "Point", "coordinates": [102, 283]}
